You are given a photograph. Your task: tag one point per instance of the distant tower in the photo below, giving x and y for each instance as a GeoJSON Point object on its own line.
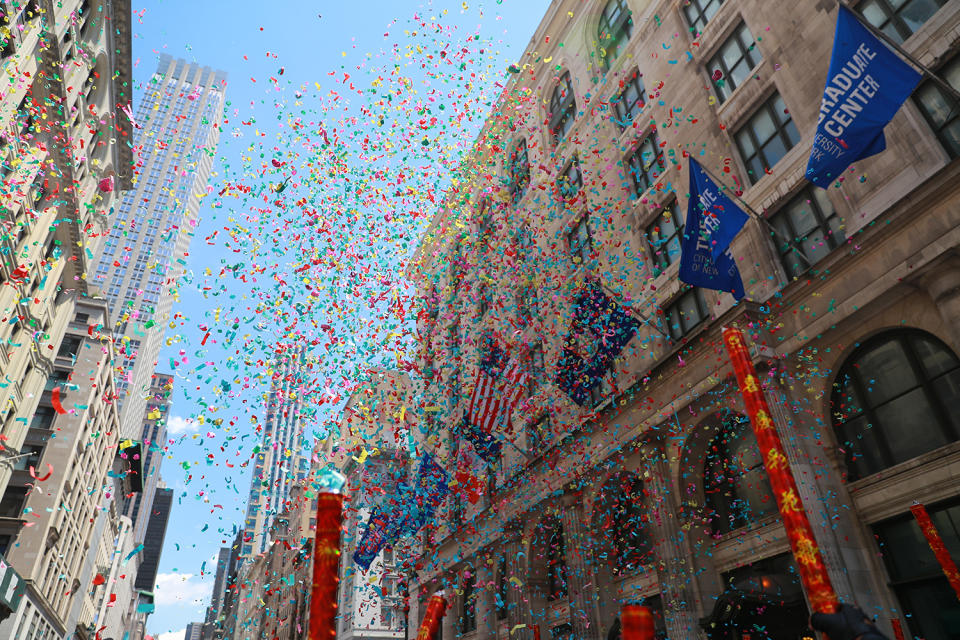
{"type": "Point", "coordinates": [153, 434]}
{"type": "Point", "coordinates": [178, 122]}
{"type": "Point", "coordinates": [281, 460]}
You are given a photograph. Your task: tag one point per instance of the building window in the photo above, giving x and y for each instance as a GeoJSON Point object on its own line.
{"type": "Point", "coordinates": [942, 110]}
{"type": "Point", "coordinates": [526, 304]}
{"type": "Point", "coordinates": [563, 108]}
{"type": "Point", "coordinates": [614, 31]}
{"type": "Point", "coordinates": [12, 503]}
{"type": "Point", "coordinates": [735, 484]}
{"type": "Point", "coordinates": [468, 621]}
{"type": "Point", "coordinates": [579, 242]}
{"type": "Point", "coordinates": [624, 514]}
{"type": "Point", "coordinates": [69, 347]}
{"type": "Point", "coordinates": [570, 182]}
{"type": "Point", "coordinates": [538, 433]}
{"type": "Point", "coordinates": [43, 417]}
{"type": "Point", "coordinates": [895, 398]}
{"type": "Point", "coordinates": [603, 387]}
{"type": "Point", "coordinates": [537, 368]}
{"type": "Point", "coordinates": [700, 12]}
{"type": "Point", "coordinates": [556, 565]}
{"type": "Point", "coordinates": [646, 164]}
{"type": "Point", "coordinates": [501, 594]}
{"type": "Point", "coordinates": [928, 602]}
{"type": "Point", "coordinates": [686, 312]}
{"type": "Point", "coordinates": [483, 301]}
{"type": "Point", "coordinates": [664, 236]}
{"type": "Point", "coordinates": [732, 64]}
{"type": "Point", "coordinates": [630, 101]}
{"type": "Point", "coordinates": [484, 220]}
{"type": "Point", "coordinates": [766, 137]}
{"type": "Point", "coordinates": [519, 170]}
{"type": "Point", "coordinates": [808, 229]}
{"type": "Point", "coordinates": [899, 19]}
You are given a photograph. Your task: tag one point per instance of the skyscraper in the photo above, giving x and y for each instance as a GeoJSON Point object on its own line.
{"type": "Point", "coordinates": [193, 631]}
{"type": "Point", "coordinates": [153, 434]}
{"type": "Point", "coordinates": [281, 460]}
{"type": "Point", "coordinates": [178, 129]}
{"type": "Point", "coordinates": [153, 542]}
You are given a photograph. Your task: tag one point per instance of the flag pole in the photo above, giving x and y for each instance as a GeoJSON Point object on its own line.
{"type": "Point", "coordinates": [893, 44]}
{"type": "Point", "coordinates": [757, 216]}
{"type": "Point", "coordinates": [645, 319]}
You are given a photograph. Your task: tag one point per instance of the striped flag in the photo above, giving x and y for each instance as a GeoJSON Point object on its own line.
{"type": "Point", "coordinates": [498, 390]}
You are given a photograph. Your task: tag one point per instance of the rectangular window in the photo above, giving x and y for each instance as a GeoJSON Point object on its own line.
{"type": "Point", "coordinates": [43, 417]}
{"type": "Point", "coordinates": [537, 369]}
{"type": "Point", "coordinates": [538, 433]}
{"type": "Point", "coordinates": [484, 300]}
{"type": "Point", "coordinates": [69, 347]}
{"type": "Point", "coordinates": [563, 108]}
{"type": "Point", "coordinates": [570, 182]}
{"type": "Point", "coordinates": [807, 230]}
{"type": "Point", "coordinates": [579, 242]}
{"type": "Point", "coordinates": [603, 387]}
{"type": "Point", "coordinates": [732, 64]}
{"type": "Point", "coordinates": [942, 110]}
{"type": "Point", "coordinates": [646, 165]}
{"type": "Point", "coordinates": [686, 312]}
{"type": "Point", "coordinates": [630, 102]}
{"type": "Point", "coordinates": [766, 137]}
{"type": "Point", "coordinates": [929, 604]}
{"type": "Point", "coordinates": [12, 503]}
{"type": "Point", "coordinates": [664, 237]}
{"type": "Point", "coordinates": [899, 19]}
{"type": "Point", "coordinates": [700, 12]}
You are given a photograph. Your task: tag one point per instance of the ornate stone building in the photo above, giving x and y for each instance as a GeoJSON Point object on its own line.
{"type": "Point", "coordinates": [655, 491]}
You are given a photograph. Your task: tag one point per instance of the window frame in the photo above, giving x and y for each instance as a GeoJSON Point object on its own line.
{"type": "Point", "coordinates": [519, 170]}
{"type": "Point", "coordinates": [618, 32]}
{"type": "Point", "coordinates": [660, 254]}
{"type": "Point", "coordinates": [781, 130]}
{"type": "Point", "coordinates": [701, 7]}
{"type": "Point", "coordinates": [621, 111]}
{"type": "Point", "coordinates": [792, 244]}
{"type": "Point", "coordinates": [562, 109]}
{"type": "Point", "coordinates": [580, 241]}
{"type": "Point", "coordinates": [901, 30]}
{"type": "Point", "coordinates": [747, 53]}
{"type": "Point", "coordinates": [849, 366]}
{"type": "Point", "coordinates": [673, 305]}
{"type": "Point", "coordinates": [639, 171]}
{"type": "Point", "coordinates": [953, 116]}
{"type": "Point", "coordinates": [570, 182]}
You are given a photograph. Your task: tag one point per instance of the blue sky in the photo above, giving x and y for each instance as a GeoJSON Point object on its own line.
{"type": "Point", "coordinates": [307, 40]}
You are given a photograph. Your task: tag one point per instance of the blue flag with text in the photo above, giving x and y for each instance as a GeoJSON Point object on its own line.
{"type": "Point", "coordinates": [710, 226]}
{"type": "Point", "coordinates": [866, 84]}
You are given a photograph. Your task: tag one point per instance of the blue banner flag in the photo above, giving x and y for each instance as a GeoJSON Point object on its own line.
{"type": "Point", "coordinates": [698, 264]}
{"type": "Point", "coordinates": [384, 527]}
{"type": "Point", "coordinates": [599, 331]}
{"type": "Point", "coordinates": [866, 84]}
{"type": "Point", "coordinates": [432, 486]}
{"type": "Point", "coordinates": [486, 446]}
{"type": "Point", "coordinates": [722, 219]}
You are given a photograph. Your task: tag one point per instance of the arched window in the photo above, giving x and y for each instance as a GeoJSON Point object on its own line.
{"type": "Point", "coordinates": [734, 481]}
{"type": "Point", "coordinates": [896, 397]}
{"type": "Point", "coordinates": [501, 594]}
{"type": "Point", "coordinates": [563, 108]}
{"type": "Point", "coordinates": [556, 565]}
{"type": "Point", "coordinates": [614, 30]}
{"type": "Point", "coordinates": [519, 170]}
{"type": "Point", "coordinates": [623, 514]}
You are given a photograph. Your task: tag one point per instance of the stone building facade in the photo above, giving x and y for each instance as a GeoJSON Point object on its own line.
{"type": "Point", "coordinates": [655, 491]}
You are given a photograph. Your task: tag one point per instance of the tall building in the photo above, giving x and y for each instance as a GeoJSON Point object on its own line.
{"type": "Point", "coordinates": [282, 459]}
{"type": "Point", "coordinates": [218, 595]}
{"type": "Point", "coordinates": [152, 442]}
{"type": "Point", "coordinates": [178, 130]}
{"type": "Point", "coordinates": [153, 541]}
{"type": "Point", "coordinates": [655, 490]}
{"type": "Point", "coordinates": [62, 477]}
{"type": "Point", "coordinates": [193, 631]}
{"type": "Point", "coordinates": [64, 158]}
{"type": "Point", "coordinates": [222, 611]}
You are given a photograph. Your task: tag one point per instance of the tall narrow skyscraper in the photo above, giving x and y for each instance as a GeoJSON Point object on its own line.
{"type": "Point", "coordinates": [177, 133]}
{"type": "Point", "coordinates": [153, 433]}
{"type": "Point", "coordinates": [281, 460]}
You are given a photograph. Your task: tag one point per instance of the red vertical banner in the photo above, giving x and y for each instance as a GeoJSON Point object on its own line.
{"type": "Point", "coordinates": [536, 632]}
{"type": "Point", "coordinates": [636, 623]}
{"type": "Point", "coordinates": [431, 619]}
{"type": "Point", "coordinates": [897, 629]}
{"type": "Point", "coordinates": [326, 567]}
{"type": "Point", "coordinates": [813, 572]}
{"type": "Point", "coordinates": [939, 549]}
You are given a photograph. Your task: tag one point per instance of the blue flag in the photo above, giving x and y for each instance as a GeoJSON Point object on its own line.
{"type": "Point", "coordinates": [486, 446]}
{"type": "Point", "coordinates": [866, 84]}
{"type": "Point", "coordinates": [432, 485]}
{"type": "Point", "coordinates": [699, 265]}
{"type": "Point", "coordinates": [384, 527]}
{"type": "Point", "coordinates": [599, 331]}
{"type": "Point", "coordinates": [722, 218]}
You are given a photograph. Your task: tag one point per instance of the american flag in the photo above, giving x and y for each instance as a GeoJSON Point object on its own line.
{"type": "Point", "coordinates": [500, 385]}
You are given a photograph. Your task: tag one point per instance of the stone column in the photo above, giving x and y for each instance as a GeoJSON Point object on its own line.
{"type": "Point", "coordinates": [673, 565]}
{"type": "Point", "coordinates": [581, 584]}
{"type": "Point", "coordinates": [518, 599]}
{"type": "Point", "coordinates": [486, 607]}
